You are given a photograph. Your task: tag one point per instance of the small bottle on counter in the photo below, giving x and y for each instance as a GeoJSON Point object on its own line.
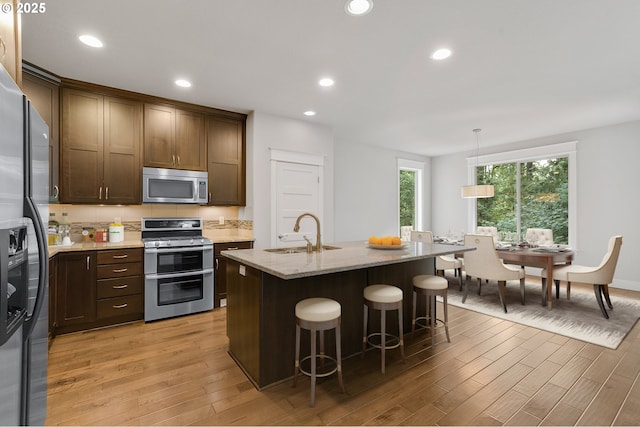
{"type": "Point", "coordinates": [64, 229]}
{"type": "Point", "coordinates": [52, 230]}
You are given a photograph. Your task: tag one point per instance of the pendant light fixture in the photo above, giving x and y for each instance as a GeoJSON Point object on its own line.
{"type": "Point", "coordinates": [477, 191]}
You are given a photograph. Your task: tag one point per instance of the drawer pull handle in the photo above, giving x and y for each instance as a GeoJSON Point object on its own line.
{"type": "Point", "coordinates": [125, 286]}
{"type": "Point", "coordinates": [120, 270]}
{"type": "Point", "coordinates": [120, 256]}
{"type": "Point", "coordinates": [121, 305]}
{"type": "Point", "coordinates": [234, 248]}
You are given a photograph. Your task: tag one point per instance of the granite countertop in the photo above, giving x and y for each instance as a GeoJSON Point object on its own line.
{"type": "Point", "coordinates": [92, 246]}
{"type": "Point", "coordinates": [127, 244]}
{"type": "Point", "coordinates": [350, 256]}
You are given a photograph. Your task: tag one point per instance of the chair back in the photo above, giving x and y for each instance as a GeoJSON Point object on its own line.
{"type": "Point", "coordinates": [483, 262]}
{"type": "Point", "coordinates": [422, 236]}
{"type": "Point", "coordinates": [607, 267]}
{"type": "Point", "coordinates": [539, 236]}
{"type": "Point", "coordinates": [490, 231]}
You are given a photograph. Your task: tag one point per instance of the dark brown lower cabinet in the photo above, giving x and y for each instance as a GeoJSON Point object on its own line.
{"type": "Point", "coordinates": [76, 291]}
{"type": "Point", "coordinates": [96, 289]}
{"type": "Point", "coordinates": [53, 298]}
{"type": "Point", "coordinates": [220, 268]}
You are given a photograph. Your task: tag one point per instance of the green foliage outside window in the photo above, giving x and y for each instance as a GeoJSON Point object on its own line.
{"type": "Point", "coordinates": [543, 198]}
{"type": "Point", "coordinates": [407, 197]}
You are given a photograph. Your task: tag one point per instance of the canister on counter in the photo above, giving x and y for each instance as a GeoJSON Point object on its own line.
{"type": "Point", "coordinates": [88, 234]}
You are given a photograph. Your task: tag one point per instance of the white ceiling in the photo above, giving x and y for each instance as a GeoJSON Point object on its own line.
{"type": "Point", "coordinates": [521, 69]}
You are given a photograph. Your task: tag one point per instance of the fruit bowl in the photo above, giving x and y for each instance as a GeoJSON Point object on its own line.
{"type": "Point", "coordinates": [401, 246]}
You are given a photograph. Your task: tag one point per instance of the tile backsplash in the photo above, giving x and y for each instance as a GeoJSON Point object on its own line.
{"type": "Point", "coordinates": [97, 216]}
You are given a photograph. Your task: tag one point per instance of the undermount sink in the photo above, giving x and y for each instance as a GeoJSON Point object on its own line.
{"type": "Point", "coordinates": [298, 249]}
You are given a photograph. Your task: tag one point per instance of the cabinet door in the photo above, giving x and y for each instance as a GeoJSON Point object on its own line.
{"type": "Point", "coordinates": [53, 297]}
{"type": "Point", "coordinates": [76, 294]}
{"type": "Point", "coordinates": [82, 147]}
{"type": "Point", "coordinates": [159, 136]}
{"type": "Point", "coordinates": [10, 45]}
{"type": "Point", "coordinates": [44, 94]}
{"type": "Point", "coordinates": [226, 161]}
{"type": "Point", "coordinates": [122, 145]}
{"type": "Point", "coordinates": [190, 141]}
{"type": "Point", "coordinates": [220, 269]}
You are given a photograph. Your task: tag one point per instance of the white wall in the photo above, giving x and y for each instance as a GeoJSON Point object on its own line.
{"type": "Point", "coordinates": [366, 191]}
{"type": "Point", "coordinates": [608, 193]}
{"type": "Point", "coordinates": [265, 132]}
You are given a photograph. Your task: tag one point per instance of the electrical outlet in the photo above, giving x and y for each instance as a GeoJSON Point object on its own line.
{"type": "Point", "coordinates": [221, 220]}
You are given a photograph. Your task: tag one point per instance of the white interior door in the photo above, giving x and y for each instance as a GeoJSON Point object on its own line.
{"type": "Point", "coordinates": [297, 190]}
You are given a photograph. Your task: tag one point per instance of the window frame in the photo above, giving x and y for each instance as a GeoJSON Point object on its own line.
{"type": "Point", "coordinates": [565, 149]}
{"type": "Point", "coordinates": [418, 168]}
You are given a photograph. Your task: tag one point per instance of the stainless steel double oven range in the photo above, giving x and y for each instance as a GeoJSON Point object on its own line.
{"type": "Point", "coordinates": [178, 267]}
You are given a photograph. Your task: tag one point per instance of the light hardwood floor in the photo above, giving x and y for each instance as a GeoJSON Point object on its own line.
{"type": "Point", "coordinates": [494, 372]}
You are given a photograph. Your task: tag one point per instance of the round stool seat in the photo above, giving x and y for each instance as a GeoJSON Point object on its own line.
{"type": "Point", "coordinates": [430, 282]}
{"type": "Point", "coordinates": [382, 293]}
{"type": "Point", "coordinates": [318, 309]}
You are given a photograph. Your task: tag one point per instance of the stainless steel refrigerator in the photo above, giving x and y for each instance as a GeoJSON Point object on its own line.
{"type": "Point", "coordinates": [24, 188]}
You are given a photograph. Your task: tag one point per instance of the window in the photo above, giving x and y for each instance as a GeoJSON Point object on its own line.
{"type": "Point", "coordinates": [410, 194]}
{"type": "Point", "coordinates": [534, 188]}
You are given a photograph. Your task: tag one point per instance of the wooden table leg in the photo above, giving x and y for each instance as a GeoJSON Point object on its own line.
{"type": "Point", "coordinates": [549, 282]}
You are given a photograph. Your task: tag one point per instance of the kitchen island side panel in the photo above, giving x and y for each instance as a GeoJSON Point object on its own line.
{"type": "Point", "coordinates": [261, 313]}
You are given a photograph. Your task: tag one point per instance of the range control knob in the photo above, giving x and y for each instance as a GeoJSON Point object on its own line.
{"type": "Point", "coordinates": [191, 241]}
{"type": "Point", "coordinates": [202, 241]}
{"type": "Point", "coordinates": [156, 243]}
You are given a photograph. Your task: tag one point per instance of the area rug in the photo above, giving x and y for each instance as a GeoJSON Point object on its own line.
{"type": "Point", "coordinates": [578, 318]}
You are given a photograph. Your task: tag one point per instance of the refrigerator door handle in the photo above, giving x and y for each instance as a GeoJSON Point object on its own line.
{"type": "Point", "coordinates": [32, 212]}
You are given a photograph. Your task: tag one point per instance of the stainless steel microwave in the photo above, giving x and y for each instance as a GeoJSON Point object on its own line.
{"type": "Point", "coordinates": [174, 186]}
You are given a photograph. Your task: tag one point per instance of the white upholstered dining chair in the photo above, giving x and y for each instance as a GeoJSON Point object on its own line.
{"type": "Point", "coordinates": [489, 231]}
{"type": "Point", "coordinates": [539, 236]}
{"type": "Point", "coordinates": [443, 262]}
{"type": "Point", "coordinates": [599, 276]}
{"type": "Point", "coordinates": [484, 263]}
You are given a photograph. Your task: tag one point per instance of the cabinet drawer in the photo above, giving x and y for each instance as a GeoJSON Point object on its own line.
{"type": "Point", "coordinates": [218, 247]}
{"type": "Point", "coordinates": [121, 286]}
{"type": "Point", "coordinates": [116, 256]}
{"type": "Point", "coordinates": [119, 270]}
{"type": "Point", "coordinates": [120, 306]}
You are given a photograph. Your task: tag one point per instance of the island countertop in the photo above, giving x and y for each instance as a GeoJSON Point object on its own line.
{"type": "Point", "coordinates": [350, 256]}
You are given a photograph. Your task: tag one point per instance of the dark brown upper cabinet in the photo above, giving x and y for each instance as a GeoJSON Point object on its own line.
{"type": "Point", "coordinates": [226, 161]}
{"type": "Point", "coordinates": [174, 138]}
{"type": "Point", "coordinates": [101, 145]}
{"type": "Point", "coordinates": [43, 90]}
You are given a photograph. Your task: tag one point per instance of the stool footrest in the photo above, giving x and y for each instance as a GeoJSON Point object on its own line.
{"type": "Point", "coordinates": [395, 340]}
{"type": "Point", "coordinates": [320, 374]}
{"type": "Point", "coordinates": [425, 325]}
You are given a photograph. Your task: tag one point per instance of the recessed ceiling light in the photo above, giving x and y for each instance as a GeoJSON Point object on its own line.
{"type": "Point", "coordinates": [326, 82]}
{"type": "Point", "coordinates": [441, 54]}
{"type": "Point", "coordinates": [90, 40]}
{"type": "Point", "coordinates": [309, 113]}
{"type": "Point", "coordinates": [358, 7]}
{"type": "Point", "coordinates": [183, 83]}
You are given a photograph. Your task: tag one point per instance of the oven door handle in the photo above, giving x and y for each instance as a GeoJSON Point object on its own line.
{"type": "Point", "coordinates": [189, 249]}
{"type": "Point", "coordinates": [174, 275]}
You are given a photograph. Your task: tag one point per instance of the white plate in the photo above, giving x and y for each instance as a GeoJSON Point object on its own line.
{"type": "Point", "coordinates": [402, 246]}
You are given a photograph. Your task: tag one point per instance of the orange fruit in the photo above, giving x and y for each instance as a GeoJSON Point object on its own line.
{"type": "Point", "coordinates": [395, 240]}
{"type": "Point", "coordinates": [386, 240]}
{"type": "Point", "coordinates": [372, 240]}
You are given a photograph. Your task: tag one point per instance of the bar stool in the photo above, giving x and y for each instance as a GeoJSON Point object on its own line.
{"type": "Point", "coordinates": [318, 314]}
{"type": "Point", "coordinates": [383, 298]}
{"type": "Point", "coordinates": [430, 286]}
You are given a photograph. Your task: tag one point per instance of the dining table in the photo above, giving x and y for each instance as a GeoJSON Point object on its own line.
{"type": "Point", "coordinates": [541, 257]}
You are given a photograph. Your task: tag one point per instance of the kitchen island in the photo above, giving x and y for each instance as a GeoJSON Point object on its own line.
{"type": "Point", "coordinates": [263, 288]}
